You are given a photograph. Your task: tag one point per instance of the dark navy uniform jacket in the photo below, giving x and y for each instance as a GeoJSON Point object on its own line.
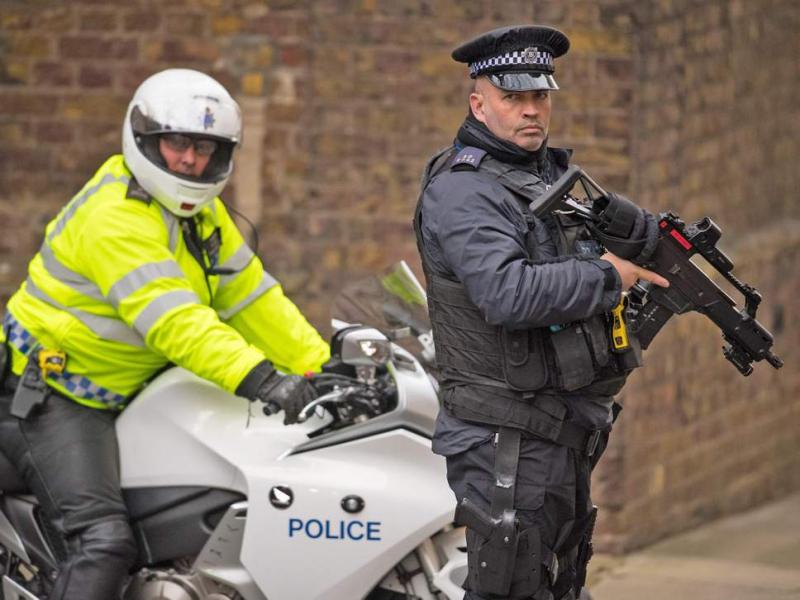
{"type": "Point", "coordinates": [474, 230]}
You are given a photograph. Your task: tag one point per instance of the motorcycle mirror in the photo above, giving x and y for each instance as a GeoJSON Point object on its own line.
{"type": "Point", "coordinates": [365, 346]}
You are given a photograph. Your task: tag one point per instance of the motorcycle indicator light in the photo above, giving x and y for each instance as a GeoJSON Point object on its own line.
{"type": "Point", "coordinates": [353, 504]}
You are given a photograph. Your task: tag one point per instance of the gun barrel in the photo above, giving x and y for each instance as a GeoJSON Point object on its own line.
{"type": "Point", "coordinates": [773, 359]}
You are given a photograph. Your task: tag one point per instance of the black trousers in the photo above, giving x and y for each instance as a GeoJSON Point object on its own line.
{"type": "Point", "coordinates": [68, 456]}
{"type": "Point", "coordinates": [552, 493]}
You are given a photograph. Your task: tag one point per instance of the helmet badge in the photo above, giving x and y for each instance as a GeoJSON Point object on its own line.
{"type": "Point", "coordinates": [208, 119]}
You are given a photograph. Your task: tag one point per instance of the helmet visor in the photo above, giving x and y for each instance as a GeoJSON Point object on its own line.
{"type": "Point", "coordinates": [198, 119]}
{"type": "Point", "coordinates": [147, 133]}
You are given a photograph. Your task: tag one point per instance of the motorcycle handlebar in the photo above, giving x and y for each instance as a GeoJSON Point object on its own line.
{"type": "Point", "coordinates": [334, 396]}
{"type": "Point", "coordinates": [271, 408]}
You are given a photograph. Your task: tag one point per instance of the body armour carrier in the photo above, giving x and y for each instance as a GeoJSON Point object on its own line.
{"type": "Point", "coordinates": [566, 358]}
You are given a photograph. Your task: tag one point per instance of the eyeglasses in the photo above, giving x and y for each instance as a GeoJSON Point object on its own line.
{"type": "Point", "coordinates": [181, 143]}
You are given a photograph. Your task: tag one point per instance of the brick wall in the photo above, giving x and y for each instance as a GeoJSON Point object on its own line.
{"type": "Point", "coordinates": [345, 100]}
{"type": "Point", "coordinates": [714, 133]}
{"type": "Point", "coordinates": [353, 95]}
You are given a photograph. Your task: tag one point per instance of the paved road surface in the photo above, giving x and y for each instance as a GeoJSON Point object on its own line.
{"type": "Point", "coordinates": [752, 556]}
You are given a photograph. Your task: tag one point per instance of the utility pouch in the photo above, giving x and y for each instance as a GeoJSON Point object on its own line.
{"type": "Point", "coordinates": [31, 390]}
{"type": "Point", "coordinates": [573, 358]}
{"type": "Point", "coordinates": [596, 331]}
{"type": "Point", "coordinates": [632, 357]}
{"type": "Point", "coordinates": [524, 365]}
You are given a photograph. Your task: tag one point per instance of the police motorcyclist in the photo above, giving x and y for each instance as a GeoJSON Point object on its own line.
{"type": "Point", "coordinates": [519, 309]}
{"type": "Point", "coordinates": [143, 268]}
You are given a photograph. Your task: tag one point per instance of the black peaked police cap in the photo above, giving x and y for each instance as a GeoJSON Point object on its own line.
{"type": "Point", "coordinates": [517, 58]}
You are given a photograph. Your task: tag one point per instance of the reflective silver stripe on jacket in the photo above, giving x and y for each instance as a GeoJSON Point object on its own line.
{"type": "Point", "coordinates": [67, 276]}
{"type": "Point", "coordinates": [267, 282]}
{"type": "Point", "coordinates": [173, 227]}
{"type": "Point", "coordinates": [141, 276]}
{"type": "Point", "coordinates": [159, 306]}
{"type": "Point", "coordinates": [78, 385]}
{"type": "Point", "coordinates": [238, 261]}
{"type": "Point", "coordinates": [81, 199]}
{"type": "Point", "coordinates": [107, 328]}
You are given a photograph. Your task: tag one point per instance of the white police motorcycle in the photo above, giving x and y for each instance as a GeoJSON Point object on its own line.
{"type": "Point", "coordinates": [228, 503]}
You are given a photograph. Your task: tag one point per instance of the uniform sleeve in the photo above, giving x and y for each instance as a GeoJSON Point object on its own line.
{"type": "Point", "coordinates": [252, 301]}
{"type": "Point", "coordinates": [136, 271]}
{"type": "Point", "coordinates": [277, 327]}
{"type": "Point", "coordinates": [479, 230]}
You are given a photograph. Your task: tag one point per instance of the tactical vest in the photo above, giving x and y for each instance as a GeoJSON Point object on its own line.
{"type": "Point", "coordinates": [573, 357]}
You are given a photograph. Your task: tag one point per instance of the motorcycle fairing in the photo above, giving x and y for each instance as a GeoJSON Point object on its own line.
{"type": "Point", "coordinates": [200, 436]}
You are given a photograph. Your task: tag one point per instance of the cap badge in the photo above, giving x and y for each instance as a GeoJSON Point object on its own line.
{"type": "Point", "coordinates": [530, 55]}
{"type": "Point", "coordinates": [208, 119]}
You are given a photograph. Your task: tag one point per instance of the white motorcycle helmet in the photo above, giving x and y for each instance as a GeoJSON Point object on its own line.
{"type": "Point", "coordinates": [187, 102]}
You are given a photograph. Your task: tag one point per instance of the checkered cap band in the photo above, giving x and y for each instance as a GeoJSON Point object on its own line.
{"type": "Point", "coordinates": [78, 385]}
{"type": "Point", "coordinates": [529, 56]}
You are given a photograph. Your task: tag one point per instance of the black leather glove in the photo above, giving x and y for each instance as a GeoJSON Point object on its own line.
{"type": "Point", "coordinates": [289, 393]}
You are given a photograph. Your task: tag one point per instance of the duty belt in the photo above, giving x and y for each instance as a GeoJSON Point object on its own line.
{"type": "Point", "coordinates": [580, 438]}
{"type": "Point", "coordinates": [79, 386]}
{"type": "Point", "coordinates": [572, 436]}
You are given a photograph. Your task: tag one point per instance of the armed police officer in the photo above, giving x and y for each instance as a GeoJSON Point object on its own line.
{"type": "Point", "coordinates": [143, 267]}
{"type": "Point", "coordinates": [519, 307]}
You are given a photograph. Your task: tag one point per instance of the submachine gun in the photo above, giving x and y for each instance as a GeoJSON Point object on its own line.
{"type": "Point", "coordinates": [649, 307]}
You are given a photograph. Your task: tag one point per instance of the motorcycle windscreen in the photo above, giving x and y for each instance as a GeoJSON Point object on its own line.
{"type": "Point", "coordinates": [394, 302]}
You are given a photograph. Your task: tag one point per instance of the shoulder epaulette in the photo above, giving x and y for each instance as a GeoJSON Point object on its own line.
{"type": "Point", "coordinates": [137, 192]}
{"type": "Point", "coordinates": [468, 158]}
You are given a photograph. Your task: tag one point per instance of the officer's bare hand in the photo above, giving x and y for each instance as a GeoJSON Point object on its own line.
{"type": "Point", "coordinates": [630, 273]}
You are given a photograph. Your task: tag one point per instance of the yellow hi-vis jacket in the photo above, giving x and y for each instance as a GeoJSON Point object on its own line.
{"type": "Point", "coordinates": [116, 288]}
